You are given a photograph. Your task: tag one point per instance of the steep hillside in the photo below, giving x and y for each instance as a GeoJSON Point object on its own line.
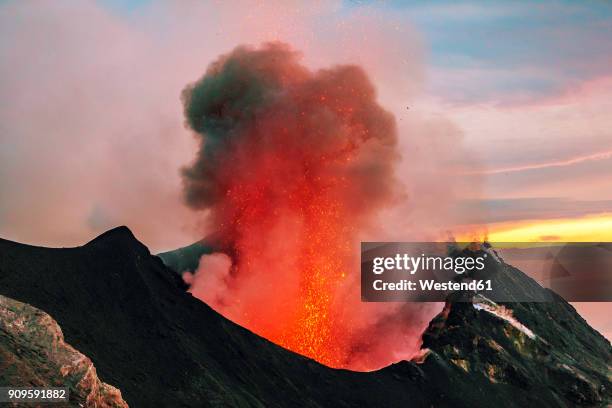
{"type": "Point", "coordinates": [161, 347]}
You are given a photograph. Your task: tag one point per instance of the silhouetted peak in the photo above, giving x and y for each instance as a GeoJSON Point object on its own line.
{"type": "Point", "coordinates": [121, 235]}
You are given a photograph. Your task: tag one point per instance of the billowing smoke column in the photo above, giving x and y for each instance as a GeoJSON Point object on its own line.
{"type": "Point", "coordinates": [293, 165]}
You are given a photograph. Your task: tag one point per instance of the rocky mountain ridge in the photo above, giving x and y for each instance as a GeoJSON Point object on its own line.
{"type": "Point", "coordinates": [129, 313]}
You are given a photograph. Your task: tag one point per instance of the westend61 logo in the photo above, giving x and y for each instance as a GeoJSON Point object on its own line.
{"type": "Point", "coordinates": [392, 272]}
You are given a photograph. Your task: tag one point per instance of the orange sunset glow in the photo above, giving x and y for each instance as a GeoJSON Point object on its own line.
{"type": "Point", "coordinates": [590, 228]}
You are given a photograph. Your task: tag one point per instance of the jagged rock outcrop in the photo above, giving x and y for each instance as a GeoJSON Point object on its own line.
{"type": "Point", "coordinates": [518, 353]}
{"type": "Point", "coordinates": [33, 354]}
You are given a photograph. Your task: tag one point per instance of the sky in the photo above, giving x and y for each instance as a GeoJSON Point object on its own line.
{"type": "Point", "coordinates": [522, 91]}
{"type": "Point", "coordinates": [530, 86]}
{"type": "Point", "coordinates": [503, 110]}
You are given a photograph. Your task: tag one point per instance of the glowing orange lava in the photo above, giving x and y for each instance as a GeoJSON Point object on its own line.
{"type": "Point", "coordinates": [323, 256]}
{"type": "Point", "coordinates": [323, 253]}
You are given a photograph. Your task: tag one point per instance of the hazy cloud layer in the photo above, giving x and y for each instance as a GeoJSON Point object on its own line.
{"type": "Point", "coordinates": [535, 208]}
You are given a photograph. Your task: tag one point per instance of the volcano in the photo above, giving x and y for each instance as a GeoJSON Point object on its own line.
{"type": "Point", "coordinates": [130, 314]}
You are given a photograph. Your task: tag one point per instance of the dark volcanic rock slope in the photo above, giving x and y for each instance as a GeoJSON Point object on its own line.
{"type": "Point", "coordinates": [493, 357]}
{"type": "Point", "coordinates": [525, 354]}
{"type": "Point", "coordinates": [163, 348]}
